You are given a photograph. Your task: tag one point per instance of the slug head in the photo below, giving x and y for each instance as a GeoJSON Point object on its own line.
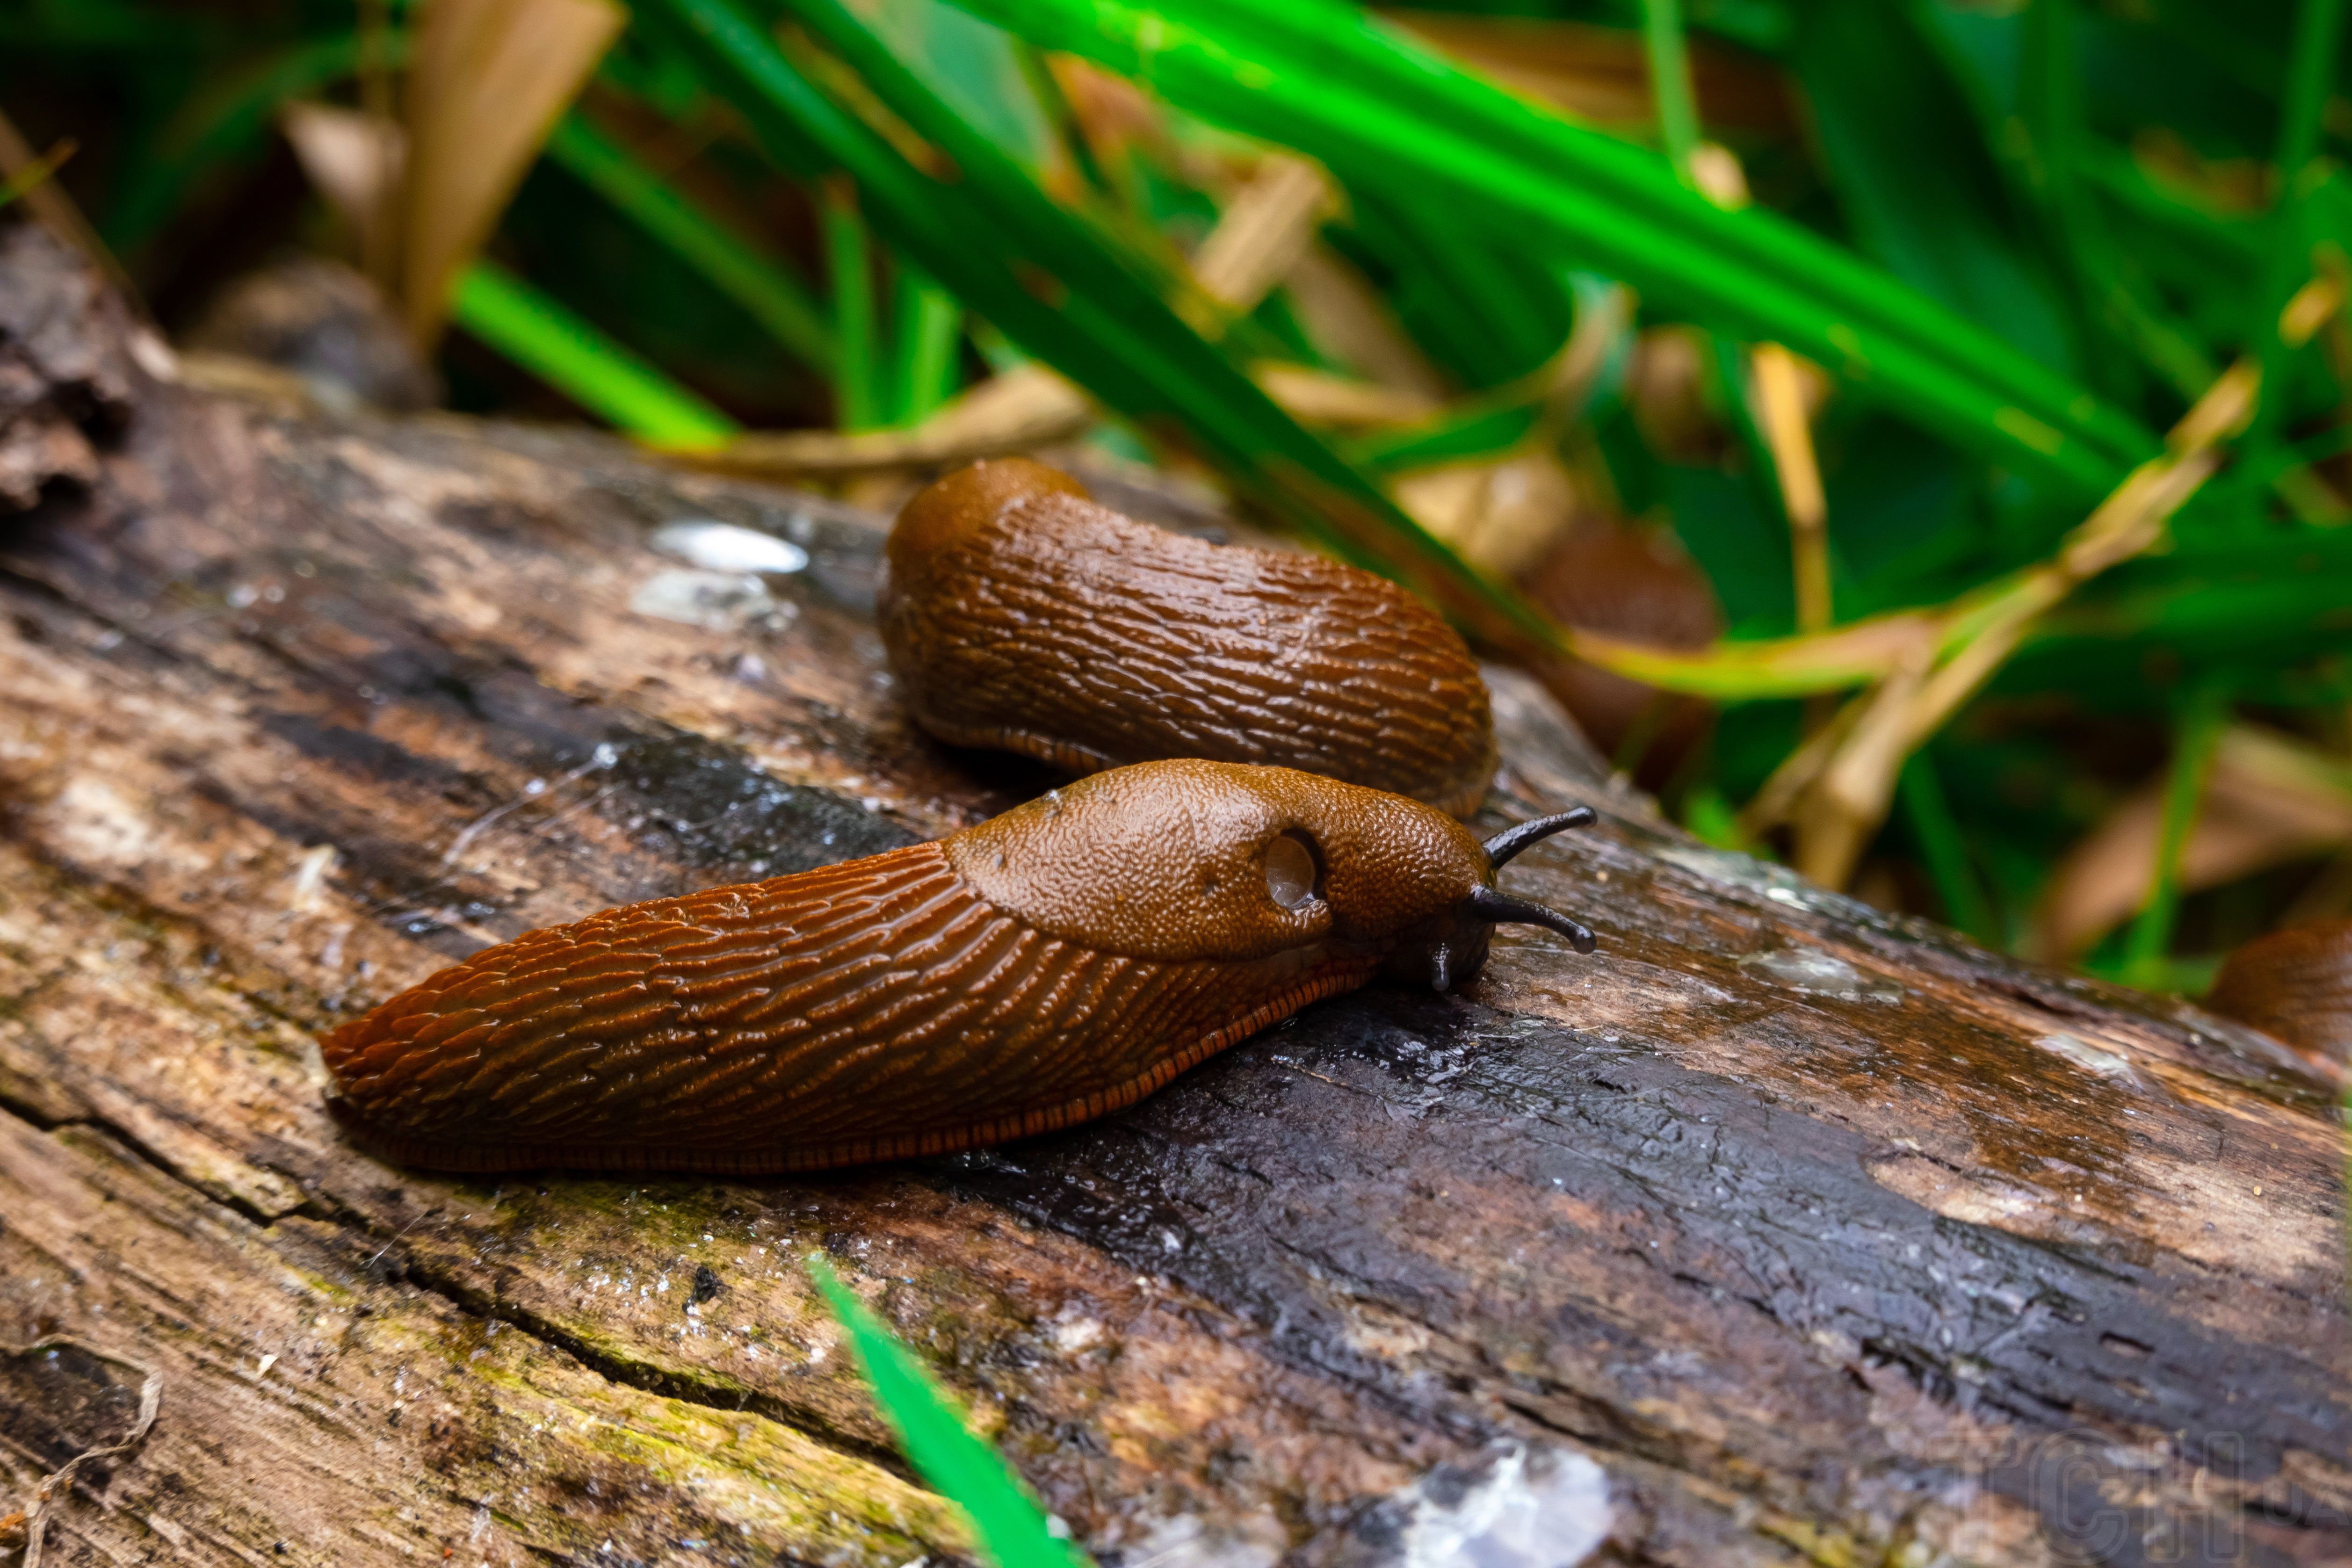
{"type": "Point", "coordinates": [1452, 947]}
{"type": "Point", "coordinates": [1189, 860]}
{"type": "Point", "coordinates": [962, 503]}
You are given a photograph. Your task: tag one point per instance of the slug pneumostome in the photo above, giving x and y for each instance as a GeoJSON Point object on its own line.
{"type": "Point", "coordinates": [1019, 614]}
{"type": "Point", "coordinates": [1048, 966]}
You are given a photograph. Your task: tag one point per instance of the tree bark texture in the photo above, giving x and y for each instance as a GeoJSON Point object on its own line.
{"type": "Point", "coordinates": [1777, 1231]}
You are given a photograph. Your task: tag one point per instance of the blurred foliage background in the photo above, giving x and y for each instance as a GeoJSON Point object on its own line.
{"type": "Point", "coordinates": [1911, 434]}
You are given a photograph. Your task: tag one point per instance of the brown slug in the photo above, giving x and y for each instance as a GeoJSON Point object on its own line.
{"type": "Point", "coordinates": [1021, 615]}
{"type": "Point", "coordinates": [2295, 985]}
{"type": "Point", "coordinates": [1048, 966]}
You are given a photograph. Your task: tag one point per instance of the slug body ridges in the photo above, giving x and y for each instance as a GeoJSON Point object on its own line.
{"type": "Point", "coordinates": [1049, 965]}
{"type": "Point", "coordinates": [1019, 614]}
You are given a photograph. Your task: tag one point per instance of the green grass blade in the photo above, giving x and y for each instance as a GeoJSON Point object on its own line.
{"type": "Point", "coordinates": [575, 358]}
{"type": "Point", "coordinates": [1711, 820]}
{"type": "Point", "coordinates": [927, 328]}
{"type": "Point", "coordinates": [972, 67]}
{"type": "Point", "coordinates": [1174, 372]}
{"type": "Point", "coordinates": [1891, 94]}
{"type": "Point", "coordinates": [2233, 240]}
{"type": "Point", "coordinates": [32, 174]}
{"type": "Point", "coordinates": [1062, 292]}
{"type": "Point", "coordinates": [1331, 47]}
{"type": "Point", "coordinates": [764, 286]}
{"type": "Point", "coordinates": [1945, 849]}
{"type": "Point", "coordinates": [1061, 119]}
{"type": "Point", "coordinates": [1385, 114]}
{"type": "Point", "coordinates": [72, 25]}
{"type": "Point", "coordinates": [1670, 81]}
{"type": "Point", "coordinates": [225, 122]}
{"type": "Point", "coordinates": [2052, 132]}
{"type": "Point", "coordinates": [2198, 732]}
{"type": "Point", "coordinates": [1479, 429]}
{"type": "Point", "coordinates": [2319, 37]}
{"type": "Point", "coordinates": [849, 266]}
{"type": "Point", "coordinates": [1488, 316]}
{"type": "Point", "coordinates": [1012, 1528]}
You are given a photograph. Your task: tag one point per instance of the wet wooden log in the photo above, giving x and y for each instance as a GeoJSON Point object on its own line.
{"type": "Point", "coordinates": [1777, 1231]}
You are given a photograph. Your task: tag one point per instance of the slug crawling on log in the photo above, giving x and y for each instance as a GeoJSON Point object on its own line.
{"type": "Point", "coordinates": [1021, 615]}
{"type": "Point", "coordinates": [1051, 965]}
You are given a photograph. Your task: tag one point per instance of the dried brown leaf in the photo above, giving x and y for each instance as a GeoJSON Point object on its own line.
{"type": "Point", "coordinates": [1019, 411]}
{"type": "Point", "coordinates": [1346, 318]}
{"type": "Point", "coordinates": [1263, 232]}
{"type": "Point", "coordinates": [1501, 515]}
{"type": "Point", "coordinates": [486, 84]}
{"type": "Point", "coordinates": [356, 161]}
{"type": "Point", "coordinates": [2271, 800]}
{"type": "Point", "coordinates": [1776, 390]}
{"type": "Point", "coordinates": [1320, 397]}
{"type": "Point", "coordinates": [1603, 73]}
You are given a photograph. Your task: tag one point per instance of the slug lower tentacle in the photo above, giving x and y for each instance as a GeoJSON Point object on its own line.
{"type": "Point", "coordinates": [1046, 966]}
{"type": "Point", "coordinates": [1021, 615]}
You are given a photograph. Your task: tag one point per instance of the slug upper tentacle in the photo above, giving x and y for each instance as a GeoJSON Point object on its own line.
{"type": "Point", "coordinates": [1021, 615]}
{"type": "Point", "coordinates": [1046, 966]}
{"type": "Point", "coordinates": [1511, 842]}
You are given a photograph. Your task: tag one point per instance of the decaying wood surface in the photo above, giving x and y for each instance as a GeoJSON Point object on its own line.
{"type": "Point", "coordinates": [1778, 1231]}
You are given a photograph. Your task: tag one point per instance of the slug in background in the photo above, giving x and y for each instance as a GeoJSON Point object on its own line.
{"type": "Point", "coordinates": [1049, 965]}
{"type": "Point", "coordinates": [1021, 615]}
{"type": "Point", "coordinates": [2295, 985]}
